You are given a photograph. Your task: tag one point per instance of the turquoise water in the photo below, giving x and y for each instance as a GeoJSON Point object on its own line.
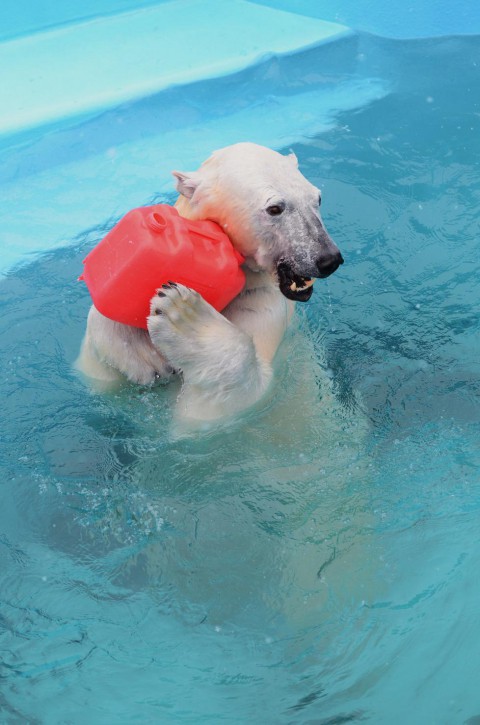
{"type": "Point", "coordinates": [319, 566]}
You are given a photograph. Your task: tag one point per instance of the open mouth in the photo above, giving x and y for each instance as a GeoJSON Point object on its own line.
{"type": "Point", "coordinates": [292, 285]}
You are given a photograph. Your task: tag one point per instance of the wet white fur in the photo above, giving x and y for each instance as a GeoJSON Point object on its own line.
{"type": "Point", "coordinates": [225, 359]}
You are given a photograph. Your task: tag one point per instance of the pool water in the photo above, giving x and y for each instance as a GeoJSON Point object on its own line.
{"type": "Point", "coordinates": [315, 561]}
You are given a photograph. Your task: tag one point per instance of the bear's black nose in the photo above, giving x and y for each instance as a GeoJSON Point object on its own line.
{"type": "Point", "coordinates": [328, 264]}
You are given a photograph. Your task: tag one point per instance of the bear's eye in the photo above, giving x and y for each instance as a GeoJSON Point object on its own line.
{"type": "Point", "coordinates": [319, 200]}
{"type": "Point", "coordinates": [275, 209]}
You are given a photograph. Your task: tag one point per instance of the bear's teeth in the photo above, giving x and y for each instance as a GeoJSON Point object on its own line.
{"type": "Point", "coordinates": [307, 283]}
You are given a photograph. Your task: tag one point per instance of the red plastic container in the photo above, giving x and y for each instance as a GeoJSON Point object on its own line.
{"type": "Point", "coordinates": [152, 245]}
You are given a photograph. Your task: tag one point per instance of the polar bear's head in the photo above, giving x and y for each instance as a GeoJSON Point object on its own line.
{"type": "Point", "coordinates": [268, 209]}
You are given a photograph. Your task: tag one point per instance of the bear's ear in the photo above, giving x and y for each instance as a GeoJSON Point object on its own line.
{"type": "Point", "coordinates": [187, 182]}
{"type": "Point", "coordinates": [293, 159]}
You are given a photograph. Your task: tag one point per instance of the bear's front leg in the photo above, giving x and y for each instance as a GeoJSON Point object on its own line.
{"type": "Point", "coordinates": [222, 373]}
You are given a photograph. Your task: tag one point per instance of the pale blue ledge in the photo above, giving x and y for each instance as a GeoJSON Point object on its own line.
{"type": "Point", "coordinates": [87, 67]}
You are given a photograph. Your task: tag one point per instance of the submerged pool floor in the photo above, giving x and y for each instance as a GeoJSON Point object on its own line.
{"type": "Point", "coordinates": [316, 570]}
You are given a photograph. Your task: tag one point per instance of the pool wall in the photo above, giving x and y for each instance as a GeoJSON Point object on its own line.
{"type": "Point", "coordinates": [421, 19]}
{"type": "Point", "coordinates": [424, 18]}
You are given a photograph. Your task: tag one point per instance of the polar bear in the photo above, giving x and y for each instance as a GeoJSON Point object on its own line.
{"type": "Point", "coordinates": [270, 212]}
